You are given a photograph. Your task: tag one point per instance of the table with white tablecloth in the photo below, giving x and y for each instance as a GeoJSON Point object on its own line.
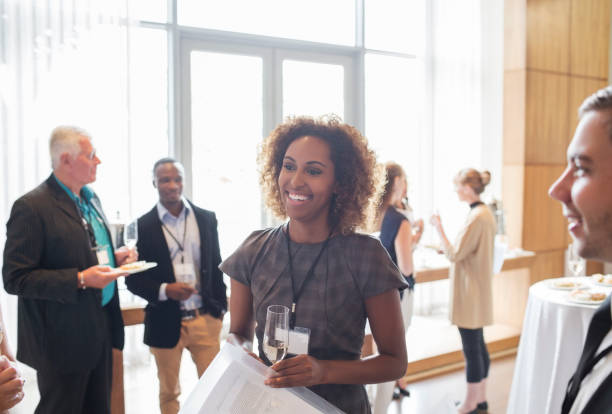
{"type": "Point", "coordinates": [551, 343]}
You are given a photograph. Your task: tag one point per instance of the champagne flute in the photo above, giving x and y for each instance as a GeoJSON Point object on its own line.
{"type": "Point", "coordinates": [276, 333]}
{"type": "Point", "coordinates": [575, 263]}
{"type": "Point", "coordinates": [130, 234]}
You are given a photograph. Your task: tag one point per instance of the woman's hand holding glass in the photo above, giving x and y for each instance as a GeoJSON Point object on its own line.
{"type": "Point", "coordinates": [435, 221]}
{"type": "Point", "coordinates": [299, 371]}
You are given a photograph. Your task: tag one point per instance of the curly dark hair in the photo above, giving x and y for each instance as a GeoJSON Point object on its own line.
{"type": "Point", "coordinates": [359, 179]}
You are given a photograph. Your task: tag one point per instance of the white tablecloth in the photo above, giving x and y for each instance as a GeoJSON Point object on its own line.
{"type": "Point", "coordinates": [551, 343]}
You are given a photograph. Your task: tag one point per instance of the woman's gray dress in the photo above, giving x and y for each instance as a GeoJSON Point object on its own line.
{"type": "Point", "coordinates": [351, 269]}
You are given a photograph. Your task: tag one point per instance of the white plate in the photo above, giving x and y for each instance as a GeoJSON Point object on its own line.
{"type": "Point", "coordinates": [576, 285]}
{"type": "Point", "coordinates": [574, 299]}
{"type": "Point", "coordinates": [141, 268]}
{"type": "Point", "coordinates": [595, 282]}
{"type": "Point", "coordinates": [584, 302]}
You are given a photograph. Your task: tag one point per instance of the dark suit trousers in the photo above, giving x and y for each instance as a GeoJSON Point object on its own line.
{"type": "Point", "coordinates": [86, 392]}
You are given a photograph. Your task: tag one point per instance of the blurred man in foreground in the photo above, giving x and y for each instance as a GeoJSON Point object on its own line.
{"type": "Point", "coordinates": [585, 190]}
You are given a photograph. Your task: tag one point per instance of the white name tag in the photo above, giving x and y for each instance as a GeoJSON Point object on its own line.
{"type": "Point", "coordinates": [185, 273]}
{"type": "Point", "coordinates": [102, 255]}
{"type": "Point", "coordinates": [298, 340]}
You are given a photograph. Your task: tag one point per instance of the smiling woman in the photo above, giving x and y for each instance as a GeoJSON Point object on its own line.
{"type": "Point", "coordinates": [321, 174]}
{"type": "Point", "coordinates": [352, 163]}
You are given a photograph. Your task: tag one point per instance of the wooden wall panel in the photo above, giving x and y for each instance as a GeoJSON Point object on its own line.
{"type": "Point", "coordinates": [510, 292]}
{"type": "Point", "coordinates": [548, 33]}
{"type": "Point", "coordinates": [515, 45]}
{"type": "Point", "coordinates": [546, 122]}
{"type": "Point", "coordinates": [544, 226]}
{"type": "Point", "coordinates": [513, 178]}
{"type": "Point", "coordinates": [589, 38]}
{"type": "Point", "coordinates": [593, 267]}
{"type": "Point", "coordinates": [548, 265]}
{"type": "Point", "coordinates": [579, 89]}
{"type": "Point", "coordinates": [514, 117]}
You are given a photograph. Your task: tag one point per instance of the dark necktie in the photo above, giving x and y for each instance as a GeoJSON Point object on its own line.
{"type": "Point", "coordinates": [598, 328]}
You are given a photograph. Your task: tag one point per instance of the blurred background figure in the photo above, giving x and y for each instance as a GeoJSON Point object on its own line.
{"type": "Point", "coordinates": [471, 272]}
{"type": "Point", "coordinates": [60, 261]}
{"type": "Point", "coordinates": [185, 292]}
{"type": "Point", "coordinates": [393, 221]}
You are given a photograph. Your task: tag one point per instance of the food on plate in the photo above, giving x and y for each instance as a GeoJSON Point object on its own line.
{"type": "Point", "coordinates": [133, 266]}
{"type": "Point", "coordinates": [566, 283]}
{"type": "Point", "coordinates": [587, 296]}
{"type": "Point", "coordinates": [603, 279]}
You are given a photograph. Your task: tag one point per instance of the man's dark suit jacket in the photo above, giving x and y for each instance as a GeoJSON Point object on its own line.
{"type": "Point", "coordinates": [601, 400]}
{"type": "Point", "coordinates": [61, 328]}
{"type": "Point", "coordinates": [163, 318]}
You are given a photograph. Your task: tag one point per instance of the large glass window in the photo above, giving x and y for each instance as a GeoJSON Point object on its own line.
{"type": "Point", "coordinates": [226, 125]}
{"type": "Point", "coordinates": [148, 10]}
{"type": "Point", "coordinates": [313, 20]}
{"type": "Point", "coordinates": [148, 114]}
{"type": "Point", "coordinates": [313, 89]}
{"type": "Point", "coordinates": [393, 25]}
{"type": "Point", "coordinates": [394, 113]}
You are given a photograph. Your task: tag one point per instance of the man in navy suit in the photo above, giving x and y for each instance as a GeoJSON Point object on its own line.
{"type": "Point", "coordinates": [186, 293]}
{"type": "Point", "coordinates": [585, 190]}
{"type": "Point", "coordinates": [59, 260]}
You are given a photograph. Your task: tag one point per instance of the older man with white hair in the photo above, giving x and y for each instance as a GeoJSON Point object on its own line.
{"type": "Point", "coordinates": [60, 261]}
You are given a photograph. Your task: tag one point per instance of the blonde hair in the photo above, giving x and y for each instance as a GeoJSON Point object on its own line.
{"type": "Point", "coordinates": [477, 180]}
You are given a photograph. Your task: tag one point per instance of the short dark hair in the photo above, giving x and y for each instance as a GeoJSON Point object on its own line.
{"type": "Point", "coordinates": [165, 160]}
{"type": "Point", "coordinates": [599, 101]}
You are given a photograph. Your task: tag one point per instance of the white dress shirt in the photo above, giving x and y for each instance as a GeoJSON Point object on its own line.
{"type": "Point", "coordinates": [185, 229]}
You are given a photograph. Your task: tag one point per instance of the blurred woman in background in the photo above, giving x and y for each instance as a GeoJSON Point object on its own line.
{"type": "Point", "coordinates": [396, 235]}
{"type": "Point", "coordinates": [471, 272]}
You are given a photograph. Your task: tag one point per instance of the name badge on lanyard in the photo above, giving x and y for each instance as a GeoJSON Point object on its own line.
{"type": "Point", "coordinates": [102, 255]}
{"type": "Point", "coordinates": [298, 340]}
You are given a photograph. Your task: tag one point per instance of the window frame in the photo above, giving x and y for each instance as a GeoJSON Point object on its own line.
{"type": "Point", "coordinates": [182, 40]}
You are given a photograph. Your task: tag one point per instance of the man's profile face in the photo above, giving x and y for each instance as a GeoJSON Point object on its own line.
{"type": "Point", "coordinates": [585, 187]}
{"type": "Point", "coordinates": [169, 182]}
{"type": "Point", "coordinates": [83, 167]}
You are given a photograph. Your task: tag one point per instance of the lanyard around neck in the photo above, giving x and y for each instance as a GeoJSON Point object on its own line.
{"type": "Point", "coordinates": [86, 214]}
{"type": "Point", "coordinates": [296, 295]}
{"type": "Point", "coordinates": [180, 245]}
